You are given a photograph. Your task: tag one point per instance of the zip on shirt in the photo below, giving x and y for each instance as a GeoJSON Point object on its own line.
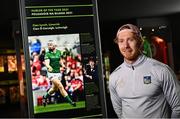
{"type": "Point", "coordinates": [134, 81]}
{"type": "Point", "coordinates": [132, 67]}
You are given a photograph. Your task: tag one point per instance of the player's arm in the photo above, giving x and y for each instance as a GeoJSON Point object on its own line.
{"type": "Point", "coordinates": [78, 86]}
{"type": "Point", "coordinates": [115, 99]}
{"type": "Point", "coordinates": [171, 88]}
{"type": "Point", "coordinates": [47, 64]}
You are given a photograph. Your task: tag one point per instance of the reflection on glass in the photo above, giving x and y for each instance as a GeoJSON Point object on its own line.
{"type": "Point", "coordinates": [1, 64]}
{"type": "Point", "coordinates": [12, 63]}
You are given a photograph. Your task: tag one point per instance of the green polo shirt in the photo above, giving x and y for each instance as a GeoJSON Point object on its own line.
{"type": "Point", "coordinates": [54, 58]}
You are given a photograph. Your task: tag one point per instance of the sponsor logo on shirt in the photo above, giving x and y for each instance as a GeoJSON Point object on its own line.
{"type": "Point", "coordinates": [147, 79]}
{"type": "Point", "coordinates": [120, 83]}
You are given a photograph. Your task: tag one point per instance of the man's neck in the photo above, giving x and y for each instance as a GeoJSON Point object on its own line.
{"type": "Point", "coordinates": [130, 61]}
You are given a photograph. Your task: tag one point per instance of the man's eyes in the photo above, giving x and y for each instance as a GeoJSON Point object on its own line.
{"type": "Point", "coordinates": [129, 39]}
{"type": "Point", "coordinates": [120, 41]}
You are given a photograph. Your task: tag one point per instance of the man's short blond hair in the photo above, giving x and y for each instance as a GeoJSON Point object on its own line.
{"type": "Point", "coordinates": [53, 42]}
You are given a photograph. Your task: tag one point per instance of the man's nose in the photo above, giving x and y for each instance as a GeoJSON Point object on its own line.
{"type": "Point", "coordinates": [126, 44]}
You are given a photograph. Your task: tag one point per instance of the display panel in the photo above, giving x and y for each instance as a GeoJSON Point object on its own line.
{"type": "Point", "coordinates": [14, 94]}
{"type": "Point", "coordinates": [12, 63]}
{"type": "Point", "coordinates": [2, 95]}
{"type": "Point", "coordinates": [1, 64]}
{"type": "Point", "coordinates": [63, 53]}
{"type": "Point", "coordinates": [70, 71]}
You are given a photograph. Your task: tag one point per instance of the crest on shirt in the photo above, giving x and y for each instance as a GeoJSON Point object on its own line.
{"type": "Point", "coordinates": [147, 79]}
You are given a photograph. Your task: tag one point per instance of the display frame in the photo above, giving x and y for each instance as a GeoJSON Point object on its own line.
{"type": "Point", "coordinates": [98, 58]}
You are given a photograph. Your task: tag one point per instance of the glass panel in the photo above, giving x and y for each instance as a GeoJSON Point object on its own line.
{"type": "Point", "coordinates": [1, 64]}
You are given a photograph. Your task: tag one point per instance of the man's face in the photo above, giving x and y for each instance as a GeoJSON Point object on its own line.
{"type": "Point", "coordinates": [92, 63]}
{"type": "Point", "coordinates": [51, 46]}
{"type": "Point", "coordinates": [128, 45]}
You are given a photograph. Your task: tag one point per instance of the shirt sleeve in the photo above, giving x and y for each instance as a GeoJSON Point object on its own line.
{"type": "Point", "coordinates": [46, 56]}
{"type": "Point", "coordinates": [115, 99]}
{"type": "Point", "coordinates": [171, 88]}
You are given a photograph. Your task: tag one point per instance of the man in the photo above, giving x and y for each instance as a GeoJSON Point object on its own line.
{"type": "Point", "coordinates": [142, 87]}
{"type": "Point", "coordinates": [52, 62]}
{"type": "Point", "coordinates": [75, 86]}
{"type": "Point", "coordinates": [91, 71]}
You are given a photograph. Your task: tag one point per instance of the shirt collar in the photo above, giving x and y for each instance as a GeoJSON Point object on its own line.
{"type": "Point", "coordinates": [139, 61]}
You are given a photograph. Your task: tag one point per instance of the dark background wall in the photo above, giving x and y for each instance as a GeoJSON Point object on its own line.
{"type": "Point", "coordinates": [8, 11]}
{"type": "Point", "coordinates": [113, 14]}
{"type": "Point", "coordinates": [123, 9]}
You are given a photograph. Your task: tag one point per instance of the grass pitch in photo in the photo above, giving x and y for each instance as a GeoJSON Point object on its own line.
{"type": "Point", "coordinates": [58, 107]}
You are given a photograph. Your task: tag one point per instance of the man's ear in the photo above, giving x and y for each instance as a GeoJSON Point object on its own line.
{"type": "Point", "coordinates": [140, 44]}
